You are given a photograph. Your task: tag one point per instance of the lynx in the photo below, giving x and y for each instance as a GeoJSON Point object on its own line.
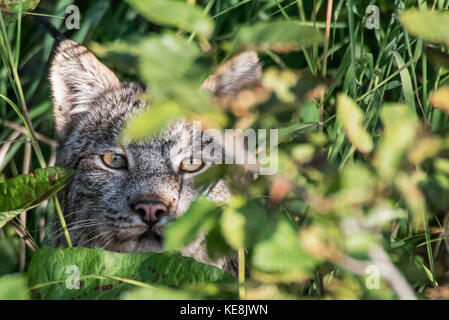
{"type": "Point", "coordinates": [122, 197]}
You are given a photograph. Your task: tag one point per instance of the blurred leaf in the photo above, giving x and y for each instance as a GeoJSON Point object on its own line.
{"type": "Point", "coordinates": [26, 191]}
{"type": "Point", "coordinates": [442, 165]}
{"type": "Point", "coordinates": [309, 112]}
{"type": "Point", "coordinates": [148, 124]}
{"type": "Point", "coordinates": [360, 242]}
{"type": "Point", "coordinates": [400, 128]}
{"type": "Point", "coordinates": [13, 287]}
{"type": "Point", "coordinates": [278, 250]}
{"type": "Point", "coordinates": [167, 65]}
{"type": "Point", "coordinates": [281, 82]}
{"type": "Point", "coordinates": [437, 58]}
{"type": "Point", "coordinates": [303, 153]}
{"type": "Point", "coordinates": [155, 293]}
{"type": "Point", "coordinates": [423, 149]}
{"type": "Point", "coordinates": [201, 216]}
{"type": "Point", "coordinates": [279, 36]}
{"type": "Point", "coordinates": [217, 247]}
{"type": "Point", "coordinates": [350, 116]}
{"type": "Point", "coordinates": [175, 13]}
{"type": "Point", "coordinates": [240, 225]}
{"type": "Point", "coordinates": [106, 275]}
{"type": "Point", "coordinates": [414, 198]}
{"type": "Point", "coordinates": [9, 253]}
{"type": "Point", "coordinates": [11, 8]}
{"type": "Point", "coordinates": [233, 227]}
{"type": "Point", "coordinates": [427, 24]}
{"type": "Point", "coordinates": [440, 99]}
{"type": "Point", "coordinates": [357, 183]}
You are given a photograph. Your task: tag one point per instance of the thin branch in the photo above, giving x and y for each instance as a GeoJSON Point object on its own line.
{"type": "Point", "coordinates": [23, 130]}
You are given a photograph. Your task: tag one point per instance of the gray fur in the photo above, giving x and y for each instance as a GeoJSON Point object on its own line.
{"type": "Point", "coordinates": [90, 108]}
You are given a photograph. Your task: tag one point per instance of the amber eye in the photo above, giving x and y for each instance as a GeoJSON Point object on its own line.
{"type": "Point", "coordinates": [188, 165]}
{"type": "Point", "coordinates": [114, 160]}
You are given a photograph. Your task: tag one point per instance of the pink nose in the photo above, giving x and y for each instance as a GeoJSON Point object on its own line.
{"type": "Point", "coordinates": [150, 211]}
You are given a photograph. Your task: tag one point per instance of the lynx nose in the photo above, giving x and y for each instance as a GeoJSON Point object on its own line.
{"type": "Point", "coordinates": [150, 211]}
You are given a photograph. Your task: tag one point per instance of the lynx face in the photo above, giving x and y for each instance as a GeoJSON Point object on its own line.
{"type": "Point", "coordinates": [123, 196]}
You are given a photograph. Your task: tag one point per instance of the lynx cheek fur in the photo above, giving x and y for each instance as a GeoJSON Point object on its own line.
{"type": "Point", "coordinates": [122, 197]}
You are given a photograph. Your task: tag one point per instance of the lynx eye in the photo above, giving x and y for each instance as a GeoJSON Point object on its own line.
{"type": "Point", "coordinates": [188, 165]}
{"type": "Point", "coordinates": [114, 160]}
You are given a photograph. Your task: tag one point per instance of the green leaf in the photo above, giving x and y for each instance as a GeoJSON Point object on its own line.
{"type": "Point", "coordinates": [278, 36]}
{"type": "Point", "coordinates": [440, 99]}
{"type": "Point", "coordinates": [426, 24]}
{"type": "Point", "coordinates": [11, 8]}
{"type": "Point", "coordinates": [9, 251]}
{"type": "Point", "coordinates": [106, 275]}
{"type": "Point", "coordinates": [155, 293]}
{"type": "Point", "coordinates": [357, 183]}
{"type": "Point", "coordinates": [278, 250]}
{"type": "Point", "coordinates": [201, 216]}
{"type": "Point", "coordinates": [241, 221]}
{"type": "Point", "coordinates": [148, 124]}
{"type": "Point", "coordinates": [406, 81]}
{"type": "Point", "coordinates": [350, 116]}
{"type": "Point", "coordinates": [233, 227]}
{"type": "Point", "coordinates": [400, 128]}
{"type": "Point", "coordinates": [26, 191]}
{"type": "Point", "coordinates": [13, 287]}
{"type": "Point", "coordinates": [175, 13]}
{"type": "Point", "coordinates": [414, 199]}
{"type": "Point", "coordinates": [166, 56]}
{"type": "Point", "coordinates": [167, 64]}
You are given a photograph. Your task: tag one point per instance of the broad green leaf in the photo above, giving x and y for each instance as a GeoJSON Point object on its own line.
{"type": "Point", "coordinates": [11, 8]}
{"type": "Point", "coordinates": [26, 191]}
{"type": "Point", "coordinates": [106, 275]}
{"type": "Point", "coordinates": [278, 250]}
{"type": "Point", "coordinates": [350, 116]}
{"type": "Point", "coordinates": [279, 36]}
{"type": "Point", "coordinates": [426, 24]}
{"type": "Point", "coordinates": [175, 13]}
{"type": "Point", "coordinates": [400, 128]}
{"type": "Point", "coordinates": [13, 287]}
{"type": "Point", "coordinates": [202, 216]}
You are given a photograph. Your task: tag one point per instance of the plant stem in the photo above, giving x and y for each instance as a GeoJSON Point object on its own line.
{"type": "Point", "coordinates": [241, 273]}
{"type": "Point", "coordinates": [328, 32]}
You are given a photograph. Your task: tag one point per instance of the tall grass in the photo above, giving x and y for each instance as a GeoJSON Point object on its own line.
{"type": "Point", "coordinates": [372, 67]}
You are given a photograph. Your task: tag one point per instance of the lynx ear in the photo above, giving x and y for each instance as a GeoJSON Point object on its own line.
{"type": "Point", "coordinates": [77, 78]}
{"type": "Point", "coordinates": [242, 70]}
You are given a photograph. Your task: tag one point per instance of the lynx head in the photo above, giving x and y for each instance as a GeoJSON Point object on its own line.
{"type": "Point", "coordinates": [122, 197]}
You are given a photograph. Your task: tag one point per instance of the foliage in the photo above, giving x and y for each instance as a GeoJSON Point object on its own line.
{"type": "Point", "coordinates": [362, 184]}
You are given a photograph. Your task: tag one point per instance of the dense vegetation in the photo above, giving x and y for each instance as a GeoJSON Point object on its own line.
{"type": "Point", "coordinates": [358, 207]}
